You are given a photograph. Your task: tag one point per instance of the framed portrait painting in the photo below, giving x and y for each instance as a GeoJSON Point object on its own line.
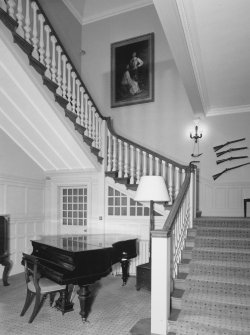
{"type": "Point", "coordinates": [132, 71]}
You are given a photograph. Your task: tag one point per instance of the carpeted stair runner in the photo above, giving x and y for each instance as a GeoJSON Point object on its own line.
{"type": "Point", "coordinates": [212, 290]}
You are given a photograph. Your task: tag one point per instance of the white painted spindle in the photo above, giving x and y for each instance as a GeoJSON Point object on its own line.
{"type": "Point", "coordinates": [11, 10]}
{"type": "Point", "coordinates": [34, 32]}
{"type": "Point", "coordinates": [69, 67]}
{"type": "Point", "coordinates": [82, 106]}
{"type": "Point", "coordinates": [120, 160]}
{"type": "Point", "coordinates": [138, 165]}
{"type": "Point", "coordinates": [132, 164]}
{"type": "Point", "coordinates": [144, 163]}
{"type": "Point", "coordinates": [53, 61]}
{"type": "Point", "coordinates": [114, 154]}
{"type": "Point", "coordinates": [90, 119]}
{"type": "Point", "coordinates": [59, 70]}
{"type": "Point", "coordinates": [20, 18]}
{"type": "Point", "coordinates": [73, 100]}
{"type": "Point", "coordinates": [109, 152]}
{"type": "Point", "coordinates": [150, 157]}
{"type": "Point", "coordinates": [27, 22]}
{"type": "Point", "coordinates": [78, 107]}
{"type": "Point", "coordinates": [126, 170]}
{"type": "Point", "coordinates": [47, 52]}
{"type": "Point", "coordinates": [41, 50]}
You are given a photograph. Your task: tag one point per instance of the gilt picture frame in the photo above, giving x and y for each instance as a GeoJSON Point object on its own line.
{"type": "Point", "coordinates": [132, 71]}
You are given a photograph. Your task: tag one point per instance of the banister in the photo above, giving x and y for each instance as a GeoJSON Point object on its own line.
{"type": "Point", "coordinates": [150, 152]}
{"type": "Point", "coordinates": [169, 224]}
{"type": "Point", "coordinates": [69, 59]}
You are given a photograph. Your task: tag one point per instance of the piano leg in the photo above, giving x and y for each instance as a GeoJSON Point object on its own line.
{"type": "Point", "coordinates": [7, 267]}
{"type": "Point", "coordinates": [125, 266]}
{"type": "Point", "coordinates": [84, 299]}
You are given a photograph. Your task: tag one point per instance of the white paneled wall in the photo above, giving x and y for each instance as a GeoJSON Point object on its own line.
{"type": "Point", "coordinates": [23, 200]}
{"type": "Point", "coordinates": [222, 199]}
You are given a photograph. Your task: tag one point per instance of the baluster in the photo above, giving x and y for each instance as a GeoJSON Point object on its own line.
{"type": "Point", "coordinates": [114, 154]}
{"type": "Point", "coordinates": [11, 6]}
{"type": "Point", "coordinates": [53, 62]}
{"type": "Point", "coordinates": [69, 67]}
{"type": "Point", "coordinates": [138, 165]}
{"type": "Point", "coordinates": [20, 17]}
{"type": "Point", "coordinates": [109, 153]}
{"type": "Point", "coordinates": [126, 171]}
{"type": "Point", "coordinates": [100, 133]}
{"type": "Point", "coordinates": [120, 160]}
{"type": "Point", "coordinates": [90, 118]}
{"type": "Point", "coordinates": [132, 164]}
{"type": "Point", "coordinates": [170, 183]}
{"type": "Point", "coordinates": [78, 109]}
{"type": "Point", "coordinates": [157, 166]}
{"type": "Point", "coordinates": [150, 164]}
{"type": "Point", "coordinates": [47, 53]}
{"type": "Point", "coordinates": [97, 130]}
{"type": "Point", "coordinates": [59, 71]}
{"type": "Point", "coordinates": [177, 181]}
{"type": "Point", "coordinates": [27, 22]}
{"type": "Point", "coordinates": [144, 163]}
{"type": "Point", "coordinates": [34, 33]}
{"type": "Point", "coordinates": [183, 174]}
{"type": "Point", "coordinates": [3, 5]}
{"type": "Point", "coordinates": [93, 110]}
{"type": "Point", "coordinates": [86, 121]}
{"type": "Point", "coordinates": [164, 170]}
{"type": "Point", "coordinates": [64, 78]}
{"type": "Point", "coordinates": [41, 42]}
{"type": "Point", "coordinates": [73, 100]}
{"type": "Point", "coordinates": [82, 106]}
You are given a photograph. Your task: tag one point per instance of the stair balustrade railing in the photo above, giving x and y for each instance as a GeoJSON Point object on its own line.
{"type": "Point", "coordinates": [131, 161]}
{"type": "Point", "coordinates": [167, 246]}
{"type": "Point", "coordinates": [127, 158]}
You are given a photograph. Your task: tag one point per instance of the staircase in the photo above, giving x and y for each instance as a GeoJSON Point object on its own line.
{"type": "Point", "coordinates": [212, 290]}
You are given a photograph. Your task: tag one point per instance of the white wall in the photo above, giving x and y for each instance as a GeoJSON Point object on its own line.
{"type": "Point", "coordinates": [22, 197]}
{"type": "Point", "coordinates": [164, 125]}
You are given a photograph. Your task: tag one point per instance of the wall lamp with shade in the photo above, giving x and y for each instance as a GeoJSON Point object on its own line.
{"type": "Point", "coordinates": [152, 189]}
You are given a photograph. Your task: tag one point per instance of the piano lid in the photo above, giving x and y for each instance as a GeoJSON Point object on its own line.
{"type": "Point", "coordinates": [83, 242]}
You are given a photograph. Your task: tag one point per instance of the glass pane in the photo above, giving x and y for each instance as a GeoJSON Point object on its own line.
{"type": "Point", "coordinates": [110, 211]}
{"type": "Point", "coordinates": [117, 201]}
{"type": "Point", "coordinates": [110, 201]}
{"type": "Point", "coordinates": [124, 211]}
{"type": "Point", "coordinates": [132, 211]}
{"type": "Point", "coordinates": [117, 210]}
{"type": "Point", "coordinates": [110, 191]}
{"type": "Point", "coordinates": [139, 211]}
{"type": "Point", "coordinates": [124, 201]}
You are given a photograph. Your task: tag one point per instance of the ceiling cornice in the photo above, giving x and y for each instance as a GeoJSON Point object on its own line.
{"type": "Point", "coordinates": [106, 14]}
{"type": "Point", "coordinates": [217, 111]}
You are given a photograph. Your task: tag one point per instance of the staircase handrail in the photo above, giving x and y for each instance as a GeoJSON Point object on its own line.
{"type": "Point", "coordinates": [169, 224]}
{"type": "Point", "coordinates": [142, 148]}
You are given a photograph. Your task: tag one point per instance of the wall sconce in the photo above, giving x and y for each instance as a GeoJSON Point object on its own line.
{"type": "Point", "coordinates": [196, 136]}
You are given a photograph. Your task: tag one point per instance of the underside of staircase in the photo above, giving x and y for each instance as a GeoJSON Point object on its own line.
{"type": "Point", "coordinates": [212, 290]}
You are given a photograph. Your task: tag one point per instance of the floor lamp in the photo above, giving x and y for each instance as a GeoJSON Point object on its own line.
{"type": "Point", "coordinates": [152, 189]}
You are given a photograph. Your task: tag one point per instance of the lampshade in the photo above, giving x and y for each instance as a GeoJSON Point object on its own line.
{"type": "Point", "coordinates": [152, 188]}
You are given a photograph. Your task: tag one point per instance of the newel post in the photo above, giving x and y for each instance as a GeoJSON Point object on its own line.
{"type": "Point", "coordinates": [160, 282]}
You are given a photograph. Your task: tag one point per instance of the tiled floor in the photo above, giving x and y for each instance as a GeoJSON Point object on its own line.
{"type": "Point", "coordinates": [116, 309]}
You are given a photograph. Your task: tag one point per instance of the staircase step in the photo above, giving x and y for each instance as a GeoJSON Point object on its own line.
{"type": "Point", "coordinates": [220, 232]}
{"type": "Point", "coordinates": [218, 242]}
{"type": "Point", "coordinates": [176, 298]}
{"type": "Point", "coordinates": [222, 222]}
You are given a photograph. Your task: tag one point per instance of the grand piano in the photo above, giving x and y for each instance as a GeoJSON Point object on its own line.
{"type": "Point", "coordinates": [82, 260]}
{"type": "Point", "coordinates": [4, 247]}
